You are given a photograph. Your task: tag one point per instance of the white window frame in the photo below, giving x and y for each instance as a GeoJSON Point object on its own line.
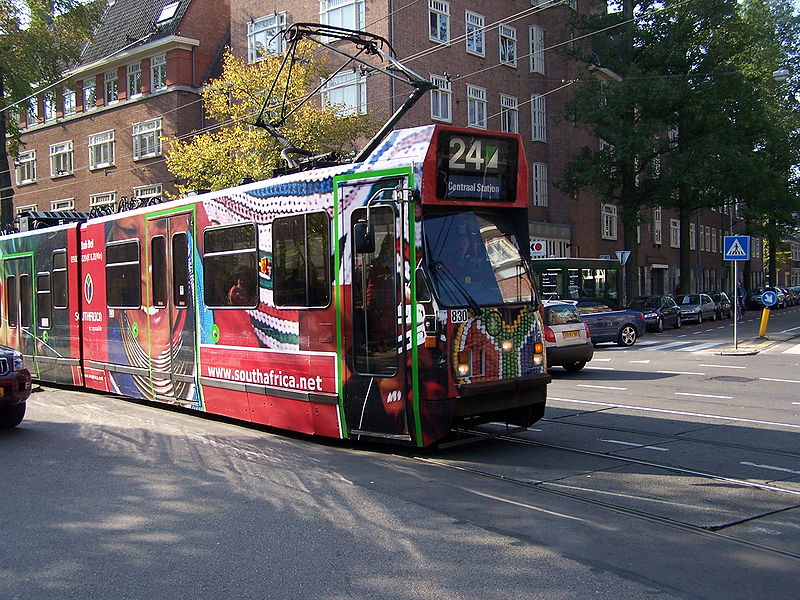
{"type": "Point", "coordinates": [476, 107]}
{"type": "Point", "coordinates": [32, 114]}
{"type": "Point", "coordinates": [439, 16]}
{"type": "Point", "coordinates": [539, 183]}
{"type": "Point", "coordinates": [61, 159]}
{"type": "Point", "coordinates": [441, 99]}
{"type": "Point", "coordinates": [508, 45]}
{"type": "Point", "coordinates": [147, 139]}
{"type": "Point", "coordinates": [25, 166]}
{"type": "Point", "coordinates": [158, 73]}
{"type": "Point", "coordinates": [168, 12]}
{"type": "Point", "coordinates": [134, 80]}
{"type": "Point", "coordinates": [65, 204]}
{"type": "Point", "coordinates": [89, 94]}
{"type": "Point", "coordinates": [474, 37]}
{"type": "Point", "coordinates": [657, 238]}
{"type": "Point", "coordinates": [18, 210]}
{"type": "Point", "coordinates": [331, 12]}
{"type": "Point", "coordinates": [713, 239]}
{"type": "Point", "coordinates": [101, 149]}
{"type": "Point", "coordinates": [692, 236]}
{"type": "Point", "coordinates": [111, 86]}
{"type": "Point", "coordinates": [69, 100]}
{"type": "Point", "coordinates": [674, 233]}
{"type": "Point", "coordinates": [262, 40]}
{"type": "Point", "coordinates": [154, 190]}
{"type": "Point", "coordinates": [49, 107]}
{"type": "Point", "coordinates": [103, 199]}
{"type": "Point", "coordinates": [345, 84]}
{"type": "Point", "coordinates": [538, 118]}
{"type": "Point", "coordinates": [608, 221]}
{"type": "Point", "coordinates": [536, 56]}
{"type": "Point", "coordinates": [509, 114]}
{"type": "Point", "coordinates": [796, 252]}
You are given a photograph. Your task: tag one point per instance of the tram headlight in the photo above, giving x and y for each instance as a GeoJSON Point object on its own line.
{"type": "Point", "coordinates": [463, 364]}
{"type": "Point", "coordinates": [508, 345]}
{"type": "Point", "coordinates": [538, 354]}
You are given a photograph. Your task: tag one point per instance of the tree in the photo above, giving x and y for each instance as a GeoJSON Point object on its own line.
{"type": "Point", "coordinates": [238, 150]}
{"type": "Point", "coordinates": [38, 40]}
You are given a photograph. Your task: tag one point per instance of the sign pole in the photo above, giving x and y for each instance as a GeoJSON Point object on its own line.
{"type": "Point", "coordinates": [735, 304]}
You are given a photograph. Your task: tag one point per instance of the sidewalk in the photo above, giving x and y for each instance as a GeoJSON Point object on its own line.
{"type": "Point", "coordinates": [749, 346]}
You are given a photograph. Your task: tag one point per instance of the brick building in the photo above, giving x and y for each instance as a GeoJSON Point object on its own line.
{"type": "Point", "coordinates": [499, 65]}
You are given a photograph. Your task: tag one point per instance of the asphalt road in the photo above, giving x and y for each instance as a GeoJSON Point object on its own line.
{"type": "Point", "coordinates": [657, 472]}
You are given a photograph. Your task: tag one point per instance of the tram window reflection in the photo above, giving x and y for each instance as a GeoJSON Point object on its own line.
{"type": "Point", "coordinates": [230, 275]}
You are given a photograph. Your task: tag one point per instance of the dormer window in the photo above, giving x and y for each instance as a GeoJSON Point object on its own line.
{"type": "Point", "coordinates": [168, 12]}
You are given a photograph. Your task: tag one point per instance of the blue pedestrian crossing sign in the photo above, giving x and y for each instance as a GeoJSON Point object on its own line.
{"type": "Point", "coordinates": [736, 247]}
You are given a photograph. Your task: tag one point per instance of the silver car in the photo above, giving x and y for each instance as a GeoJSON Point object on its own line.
{"type": "Point", "coordinates": [697, 307]}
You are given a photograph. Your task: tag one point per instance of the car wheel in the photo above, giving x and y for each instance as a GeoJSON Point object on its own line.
{"type": "Point", "coordinates": [575, 367]}
{"type": "Point", "coordinates": [659, 325]}
{"type": "Point", "coordinates": [627, 336]}
{"type": "Point", "coordinates": [713, 317]}
{"type": "Point", "coordinates": [678, 322]}
{"type": "Point", "coordinates": [12, 416]}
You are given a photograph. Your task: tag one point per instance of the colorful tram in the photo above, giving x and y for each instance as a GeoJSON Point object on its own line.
{"type": "Point", "coordinates": [383, 300]}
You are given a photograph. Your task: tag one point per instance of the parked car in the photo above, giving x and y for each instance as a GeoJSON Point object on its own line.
{"type": "Point", "coordinates": [791, 297]}
{"type": "Point", "coordinates": [697, 307]}
{"type": "Point", "coordinates": [722, 302]}
{"type": "Point", "coordinates": [607, 324]}
{"type": "Point", "coordinates": [659, 312]}
{"type": "Point", "coordinates": [16, 382]}
{"type": "Point", "coordinates": [567, 340]}
{"type": "Point", "coordinates": [755, 297]}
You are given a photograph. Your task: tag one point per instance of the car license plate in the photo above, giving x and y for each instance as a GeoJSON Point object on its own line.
{"type": "Point", "coordinates": [571, 334]}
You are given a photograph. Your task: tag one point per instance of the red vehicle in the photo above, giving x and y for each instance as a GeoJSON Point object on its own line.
{"type": "Point", "coordinates": [330, 302]}
{"type": "Point", "coordinates": [15, 380]}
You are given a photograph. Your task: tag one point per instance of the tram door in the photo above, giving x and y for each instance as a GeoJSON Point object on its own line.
{"type": "Point", "coordinates": [375, 323]}
{"type": "Point", "coordinates": [172, 317]}
{"type": "Point", "coordinates": [19, 305]}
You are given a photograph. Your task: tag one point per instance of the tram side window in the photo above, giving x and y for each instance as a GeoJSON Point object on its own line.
{"type": "Point", "coordinates": [230, 255]}
{"type": "Point", "coordinates": [301, 255]}
{"type": "Point", "coordinates": [44, 300]}
{"type": "Point", "coordinates": [158, 252]}
{"type": "Point", "coordinates": [123, 274]}
{"type": "Point", "coordinates": [60, 279]}
{"type": "Point", "coordinates": [25, 300]}
{"type": "Point", "coordinates": [11, 298]}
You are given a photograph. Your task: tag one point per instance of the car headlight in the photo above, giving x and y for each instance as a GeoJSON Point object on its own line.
{"type": "Point", "coordinates": [18, 364]}
{"type": "Point", "coordinates": [650, 316]}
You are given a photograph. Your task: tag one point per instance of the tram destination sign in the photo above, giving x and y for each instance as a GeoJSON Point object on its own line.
{"type": "Point", "coordinates": [476, 168]}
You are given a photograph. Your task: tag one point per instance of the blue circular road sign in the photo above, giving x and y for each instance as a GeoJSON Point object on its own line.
{"type": "Point", "coordinates": [769, 298]}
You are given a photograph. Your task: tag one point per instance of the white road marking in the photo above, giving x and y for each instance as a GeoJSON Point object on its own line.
{"type": "Point", "coordinates": [680, 373]}
{"type": "Point", "coordinates": [792, 350]}
{"type": "Point", "coordinates": [790, 329]}
{"type": "Point", "coordinates": [601, 360]}
{"type": "Point", "coordinates": [601, 387]}
{"type": "Point", "coordinates": [636, 445]}
{"type": "Point", "coordinates": [780, 381]}
{"type": "Point", "coordinates": [703, 395]}
{"type": "Point", "coordinates": [723, 366]}
{"type": "Point", "coordinates": [640, 362]}
{"type": "Point", "coordinates": [698, 347]}
{"type": "Point", "coordinates": [600, 368]}
{"type": "Point", "coordinates": [770, 467]}
{"type": "Point", "coordinates": [669, 345]}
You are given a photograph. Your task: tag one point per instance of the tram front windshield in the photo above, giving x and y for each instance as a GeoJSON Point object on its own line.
{"type": "Point", "coordinates": [474, 260]}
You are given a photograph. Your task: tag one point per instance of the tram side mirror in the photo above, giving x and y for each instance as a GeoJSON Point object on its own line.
{"type": "Point", "coordinates": [363, 238]}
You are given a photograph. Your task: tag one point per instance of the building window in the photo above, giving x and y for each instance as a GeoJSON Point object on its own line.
{"type": "Point", "coordinates": [167, 12]}
{"type": "Point", "coordinates": [342, 13]}
{"type": "Point", "coordinates": [657, 225]}
{"type": "Point", "coordinates": [475, 34]}
{"type": "Point", "coordinates": [102, 200]}
{"type": "Point", "coordinates": [66, 204]}
{"type": "Point", "coordinates": [134, 80]}
{"type": "Point", "coordinates": [111, 85]}
{"type": "Point", "coordinates": [537, 49]}
{"type": "Point", "coordinates": [300, 246]}
{"type": "Point", "coordinates": [347, 93]}
{"type": "Point", "coordinates": [539, 176]}
{"type": "Point", "coordinates": [19, 210]}
{"type": "Point", "coordinates": [538, 118]}
{"type": "Point", "coordinates": [441, 99]}
{"type": "Point", "coordinates": [147, 139]}
{"type": "Point", "coordinates": [149, 192]}
{"type": "Point", "coordinates": [795, 252]}
{"type": "Point", "coordinates": [608, 222]}
{"type": "Point", "coordinates": [230, 256]}
{"type": "Point", "coordinates": [692, 236]}
{"type": "Point", "coordinates": [101, 150]}
{"type": "Point", "coordinates": [262, 38]}
{"type": "Point", "coordinates": [26, 167]}
{"type": "Point", "coordinates": [158, 73]}
{"type": "Point", "coordinates": [61, 159]}
{"type": "Point", "coordinates": [89, 94]}
{"type": "Point", "coordinates": [508, 45]}
{"type": "Point", "coordinates": [49, 105]}
{"type": "Point", "coordinates": [674, 233]}
{"type": "Point", "coordinates": [476, 107]}
{"type": "Point", "coordinates": [69, 102]}
{"type": "Point", "coordinates": [439, 20]}
{"type": "Point", "coordinates": [33, 112]}
{"type": "Point", "coordinates": [509, 114]}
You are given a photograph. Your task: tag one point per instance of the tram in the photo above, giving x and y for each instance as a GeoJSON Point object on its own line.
{"type": "Point", "coordinates": [386, 300]}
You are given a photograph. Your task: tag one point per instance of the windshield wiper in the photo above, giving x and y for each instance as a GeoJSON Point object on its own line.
{"type": "Point", "coordinates": [439, 265]}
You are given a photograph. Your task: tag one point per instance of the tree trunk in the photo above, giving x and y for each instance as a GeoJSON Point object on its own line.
{"type": "Point", "coordinates": [685, 281]}
{"type": "Point", "coordinates": [6, 189]}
